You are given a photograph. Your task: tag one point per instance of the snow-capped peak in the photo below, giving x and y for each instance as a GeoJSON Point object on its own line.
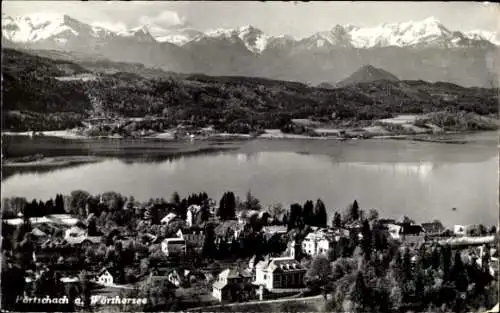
{"type": "Point", "coordinates": [492, 37]}
{"type": "Point", "coordinates": [36, 27]}
{"type": "Point", "coordinates": [61, 28]}
{"type": "Point", "coordinates": [403, 34]}
{"type": "Point", "coordinates": [179, 38]}
{"type": "Point", "coordinates": [253, 38]}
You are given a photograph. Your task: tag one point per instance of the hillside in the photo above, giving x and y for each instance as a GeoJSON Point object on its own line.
{"type": "Point", "coordinates": [37, 97]}
{"type": "Point", "coordinates": [326, 85]}
{"type": "Point", "coordinates": [367, 74]}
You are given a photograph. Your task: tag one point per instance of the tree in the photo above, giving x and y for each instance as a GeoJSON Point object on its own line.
{"type": "Point", "coordinates": [175, 199]}
{"type": "Point", "coordinates": [354, 211]}
{"type": "Point", "coordinates": [337, 220]}
{"type": "Point", "coordinates": [366, 241]}
{"type": "Point", "coordinates": [295, 217]}
{"type": "Point", "coordinates": [320, 215]}
{"type": "Point", "coordinates": [419, 284]}
{"type": "Point", "coordinates": [251, 203]}
{"type": "Point", "coordinates": [435, 258]}
{"type": "Point", "coordinates": [91, 226]}
{"type": "Point", "coordinates": [360, 295]}
{"type": "Point", "coordinates": [446, 261]}
{"type": "Point", "coordinates": [78, 200]}
{"type": "Point", "coordinates": [113, 201]}
{"type": "Point", "coordinates": [406, 264]}
{"type": "Point", "coordinates": [277, 213]}
{"type": "Point", "coordinates": [307, 213]}
{"type": "Point", "coordinates": [59, 204]}
{"type": "Point", "coordinates": [227, 206]}
{"type": "Point", "coordinates": [320, 272]}
{"type": "Point", "coordinates": [459, 274]}
{"type": "Point", "coordinates": [209, 247]}
{"type": "Point", "coordinates": [492, 230]}
{"type": "Point", "coordinates": [373, 215]}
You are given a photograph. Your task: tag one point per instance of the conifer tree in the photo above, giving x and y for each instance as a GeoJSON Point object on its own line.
{"type": "Point", "coordinates": [320, 215]}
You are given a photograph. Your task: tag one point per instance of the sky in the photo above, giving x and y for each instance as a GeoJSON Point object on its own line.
{"type": "Point", "coordinates": [297, 19]}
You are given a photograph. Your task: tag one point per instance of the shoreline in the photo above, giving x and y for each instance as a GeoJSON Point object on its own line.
{"type": "Point", "coordinates": [269, 134]}
{"type": "Point", "coordinates": [52, 161]}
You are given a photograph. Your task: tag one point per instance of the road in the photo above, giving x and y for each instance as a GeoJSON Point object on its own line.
{"type": "Point", "coordinates": [318, 297]}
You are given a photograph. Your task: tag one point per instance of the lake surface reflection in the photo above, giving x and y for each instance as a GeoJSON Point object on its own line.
{"type": "Point", "coordinates": [421, 180]}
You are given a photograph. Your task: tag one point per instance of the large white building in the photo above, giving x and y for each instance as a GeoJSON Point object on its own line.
{"type": "Point", "coordinates": [279, 273]}
{"type": "Point", "coordinates": [319, 242]}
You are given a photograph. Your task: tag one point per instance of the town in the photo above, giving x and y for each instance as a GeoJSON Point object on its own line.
{"type": "Point", "coordinates": [193, 254]}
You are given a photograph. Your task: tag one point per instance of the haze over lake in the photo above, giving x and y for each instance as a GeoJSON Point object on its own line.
{"type": "Point", "coordinates": [419, 179]}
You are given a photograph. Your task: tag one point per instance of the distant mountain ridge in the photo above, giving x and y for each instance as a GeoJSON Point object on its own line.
{"type": "Point", "coordinates": [430, 31]}
{"type": "Point", "coordinates": [367, 74]}
{"type": "Point", "coordinates": [411, 50]}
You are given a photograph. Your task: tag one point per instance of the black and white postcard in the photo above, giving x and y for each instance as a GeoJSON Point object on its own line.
{"type": "Point", "coordinates": [226, 156]}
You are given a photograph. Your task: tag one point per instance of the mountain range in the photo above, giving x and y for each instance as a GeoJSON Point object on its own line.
{"type": "Point", "coordinates": [424, 49]}
{"type": "Point", "coordinates": [53, 93]}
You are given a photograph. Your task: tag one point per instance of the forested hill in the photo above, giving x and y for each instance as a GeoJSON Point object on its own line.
{"type": "Point", "coordinates": [42, 93]}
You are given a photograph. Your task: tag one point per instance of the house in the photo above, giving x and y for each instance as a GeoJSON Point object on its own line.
{"type": "Point", "coordinates": [194, 238]}
{"type": "Point", "coordinates": [232, 285]}
{"type": "Point", "coordinates": [192, 211]}
{"type": "Point", "coordinates": [168, 218]}
{"type": "Point", "coordinates": [435, 228]}
{"type": "Point", "coordinates": [460, 230]}
{"type": "Point", "coordinates": [279, 273]}
{"type": "Point", "coordinates": [318, 242]}
{"type": "Point", "coordinates": [106, 277]}
{"type": "Point", "coordinates": [173, 246]}
{"type": "Point", "coordinates": [394, 231]}
{"type": "Point", "coordinates": [75, 232]}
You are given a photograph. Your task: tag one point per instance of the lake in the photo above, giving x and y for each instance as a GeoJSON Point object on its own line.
{"type": "Point", "coordinates": [422, 180]}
